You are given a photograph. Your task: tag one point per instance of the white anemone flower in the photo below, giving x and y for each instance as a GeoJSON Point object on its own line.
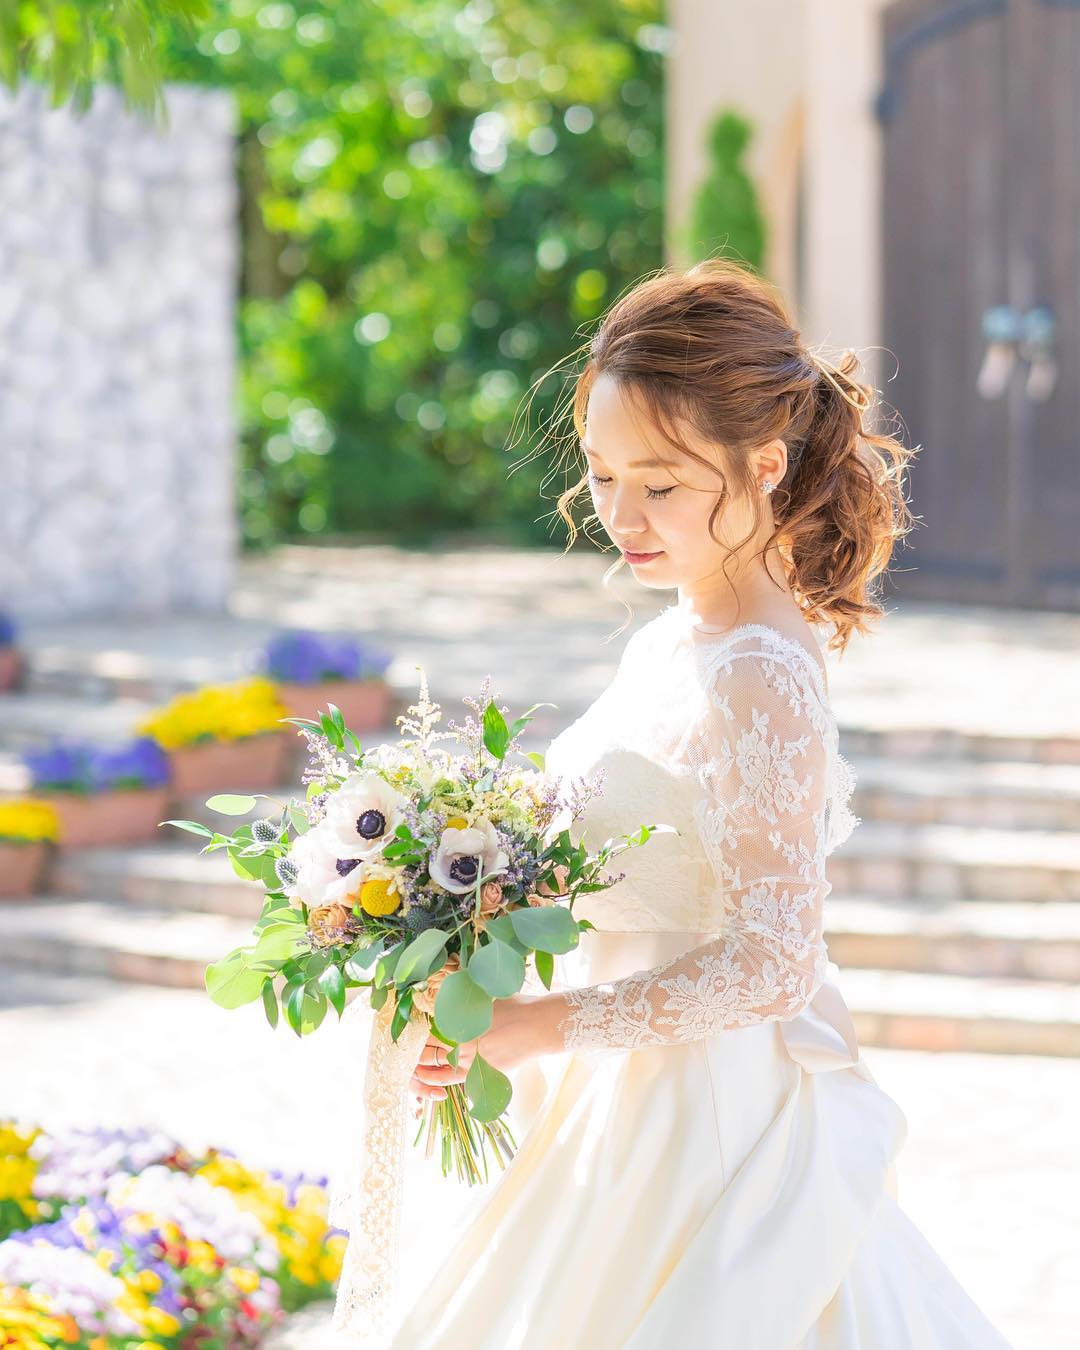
{"type": "Point", "coordinates": [362, 815]}
{"type": "Point", "coordinates": [464, 856]}
{"type": "Point", "coordinates": [324, 876]}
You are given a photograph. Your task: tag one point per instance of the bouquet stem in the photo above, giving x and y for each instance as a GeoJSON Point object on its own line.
{"type": "Point", "coordinates": [465, 1140]}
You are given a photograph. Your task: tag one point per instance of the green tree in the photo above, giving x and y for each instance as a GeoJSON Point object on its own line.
{"type": "Point", "coordinates": [726, 217]}
{"type": "Point", "coordinates": [72, 45]}
{"type": "Point", "coordinates": [437, 197]}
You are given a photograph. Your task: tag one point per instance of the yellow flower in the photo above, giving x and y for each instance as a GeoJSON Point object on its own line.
{"type": "Point", "coordinates": [222, 712]}
{"type": "Point", "coordinates": [379, 897]}
{"type": "Point", "coordinates": [28, 820]}
{"type": "Point", "coordinates": [247, 1281]}
{"type": "Point", "coordinates": [160, 1322]}
{"type": "Point", "coordinates": [457, 823]}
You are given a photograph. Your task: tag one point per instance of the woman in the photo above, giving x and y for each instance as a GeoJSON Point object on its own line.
{"type": "Point", "coordinates": [710, 1161]}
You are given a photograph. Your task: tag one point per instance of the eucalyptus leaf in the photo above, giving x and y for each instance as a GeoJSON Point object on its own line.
{"type": "Point", "coordinates": [463, 1009]}
{"type": "Point", "coordinates": [497, 969]}
{"type": "Point", "coordinates": [547, 928]}
{"type": "Point", "coordinates": [489, 1090]}
{"type": "Point", "coordinates": [231, 982]}
{"type": "Point", "coordinates": [415, 961]}
{"type": "Point", "coordinates": [231, 804]}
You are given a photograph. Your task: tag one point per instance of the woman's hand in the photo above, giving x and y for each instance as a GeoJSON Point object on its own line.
{"type": "Point", "coordinates": [516, 1035]}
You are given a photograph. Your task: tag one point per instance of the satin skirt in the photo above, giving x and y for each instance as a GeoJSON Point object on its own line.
{"type": "Point", "coordinates": [735, 1191]}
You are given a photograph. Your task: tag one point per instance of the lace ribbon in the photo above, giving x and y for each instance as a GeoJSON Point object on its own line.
{"type": "Point", "coordinates": [367, 1194]}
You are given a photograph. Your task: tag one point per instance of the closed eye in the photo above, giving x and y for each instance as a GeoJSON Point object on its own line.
{"type": "Point", "coordinates": [652, 492]}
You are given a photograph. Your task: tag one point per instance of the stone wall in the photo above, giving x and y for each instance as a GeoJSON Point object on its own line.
{"type": "Point", "coordinates": [118, 258]}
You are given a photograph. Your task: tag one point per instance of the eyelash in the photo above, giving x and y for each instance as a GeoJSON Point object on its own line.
{"type": "Point", "coordinates": [653, 492]}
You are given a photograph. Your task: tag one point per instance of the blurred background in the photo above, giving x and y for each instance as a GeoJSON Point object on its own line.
{"type": "Point", "coordinates": [289, 293]}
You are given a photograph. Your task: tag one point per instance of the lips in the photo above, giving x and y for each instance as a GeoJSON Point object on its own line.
{"type": "Point", "coordinates": [632, 557]}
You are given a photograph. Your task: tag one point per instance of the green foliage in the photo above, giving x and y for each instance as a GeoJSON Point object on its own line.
{"type": "Point", "coordinates": [726, 217]}
{"type": "Point", "coordinates": [436, 197]}
{"type": "Point", "coordinates": [72, 45]}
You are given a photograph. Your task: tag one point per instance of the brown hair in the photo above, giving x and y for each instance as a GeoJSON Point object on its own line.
{"type": "Point", "coordinates": [715, 348]}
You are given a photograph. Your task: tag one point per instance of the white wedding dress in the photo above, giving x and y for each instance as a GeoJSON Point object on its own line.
{"type": "Point", "coordinates": [709, 1163]}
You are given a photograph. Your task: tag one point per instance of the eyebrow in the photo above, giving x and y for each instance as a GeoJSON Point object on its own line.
{"type": "Point", "coordinates": [638, 463]}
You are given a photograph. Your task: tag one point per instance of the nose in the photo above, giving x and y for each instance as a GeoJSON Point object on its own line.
{"type": "Point", "coordinates": [625, 519]}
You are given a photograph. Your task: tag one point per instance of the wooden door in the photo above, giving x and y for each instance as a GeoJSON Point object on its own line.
{"type": "Point", "coordinates": [980, 114]}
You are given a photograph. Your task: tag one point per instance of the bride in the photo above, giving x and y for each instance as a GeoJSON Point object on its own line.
{"type": "Point", "coordinates": [706, 1159]}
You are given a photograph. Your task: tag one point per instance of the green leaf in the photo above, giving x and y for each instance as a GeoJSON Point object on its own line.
{"type": "Point", "coordinates": [463, 1009]}
{"type": "Point", "coordinates": [279, 941]}
{"type": "Point", "coordinates": [300, 822]}
{"type": "Point", "coordinates": [489, 1090]}
{"type": "Point", "coordinates": [501, 928]}
{"type": "Point", "coordinates": [231, 982]}
{"type": "Point", "coordinates": [537, 758]}
{"type": "Point", "coordinates": [229, 804]}
{"type": "Point", "coordinates": [270, 1003]}
{"type": "Point", "coordinates": [545, 967]}
{"type": "Point", "coordinates": [415, 962]}
{"type": "Point", "coordinates": [497, 969]}
{"type": "Point", "coordinates": [260, 868]}
{"type": "Point", "coordinates": [402, 1014]}
{"type": "Point", "coordinates": [332, 983]}
{"type": "Point", "coordinates": [546, 928]}
{"type": "Point", "coordinates": [357, 965]}
{"type": "Point", "coordinates": [379, 996]}
{"type": "Point", "coordinates": [387, 964]}
{"type": "Point", "coordinates": [192, 827]}
{"type": "Point", "coordinates": [496, 732]}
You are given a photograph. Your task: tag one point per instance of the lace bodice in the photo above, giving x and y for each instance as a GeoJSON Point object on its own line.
{"type": "Point", "coordinates": [730, 738]}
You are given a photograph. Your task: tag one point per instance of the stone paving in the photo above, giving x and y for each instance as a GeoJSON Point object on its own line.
{"type": "Point", "coordinates": [989, 1172]}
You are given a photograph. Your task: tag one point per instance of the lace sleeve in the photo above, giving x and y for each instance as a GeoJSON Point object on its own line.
{"type": "Point", "coordinates": [759, 750]}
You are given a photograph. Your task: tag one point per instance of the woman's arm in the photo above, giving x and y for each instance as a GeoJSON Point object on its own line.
{"type": "Point", "coordinates": [759, 752]}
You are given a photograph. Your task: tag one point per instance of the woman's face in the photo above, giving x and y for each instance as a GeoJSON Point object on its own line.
{"type": "Point", "coordinates": [653, 502]}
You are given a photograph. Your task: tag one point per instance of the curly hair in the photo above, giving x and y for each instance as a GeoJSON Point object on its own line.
{"type": "Point", "coordinates": [714, 349]}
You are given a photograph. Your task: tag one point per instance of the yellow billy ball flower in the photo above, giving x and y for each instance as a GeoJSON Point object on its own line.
{"type": "Point", "coordinates": [457, 823]}
{"type": "Point", "coordinates": [379, 897]}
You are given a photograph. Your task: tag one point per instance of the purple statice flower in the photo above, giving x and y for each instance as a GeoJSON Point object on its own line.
{"type": "Point", "coordinates": [80, 766]}
{"type": "Point", "coordinates": [77, 1164]}
{"type": "Point", "coordinates": [7, 629]}
{"type": "Point", "coordinates": [303, 656]}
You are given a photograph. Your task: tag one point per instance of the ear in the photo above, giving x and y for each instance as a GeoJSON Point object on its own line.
{"type": "Point", "coordinates": [770, 461]}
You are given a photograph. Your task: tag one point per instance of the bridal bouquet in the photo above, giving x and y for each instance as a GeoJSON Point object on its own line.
{"type": "Point", "coordinates": [431, 878]}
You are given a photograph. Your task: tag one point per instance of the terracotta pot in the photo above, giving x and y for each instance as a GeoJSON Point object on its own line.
{"type": "Point", "coordinates": [10, 667]}
{"type": "Point", "coordinates": [364, 704]}
{"type": "Point", "coordinates": [21, 866]}
{"type": "Point", "coordinates": [252, 763]}
{"type": "Point", "coordinates": [123, 816]}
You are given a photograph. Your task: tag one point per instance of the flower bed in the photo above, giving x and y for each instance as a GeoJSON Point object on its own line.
{"type": "Point", "coordinates": [102, 795]}
{"type": "Point", "coordinates": [315, 669]}
{"type": "Point", "coordinates": [27, 828]}
{"type": "Point", "coordinates": [122, 1240]}
{"type": "Point", "coordinates": [10, 656]}
{"type": "Point", "coordinates": [223, 733]}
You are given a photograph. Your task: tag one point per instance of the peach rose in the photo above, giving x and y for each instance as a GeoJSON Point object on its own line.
{"type": "Point", "coordinates": [325, 922]}
{"type": "Point", "coordinates": [424, 997]}
{"type": "Point", "coordinates": [561, 873]}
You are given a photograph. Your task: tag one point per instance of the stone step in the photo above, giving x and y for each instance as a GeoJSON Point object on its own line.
{"type": "Point", "coordinates": [901, 1009]}
{"type": "Point", "coordinates": [1004, 793]}
{"type": "Point", "coordinates": [111, 939]}
{"type": "Point", "coordinates": [915, 1011]}
{"type": "Point", "coordinates": [168, 876]}
{"type": "Point", "coordinates": [1014, 940]}
{"type": "Point", "coordinates": [893, 860]}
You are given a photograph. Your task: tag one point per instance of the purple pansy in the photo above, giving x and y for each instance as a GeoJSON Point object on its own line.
{"type": "Point", "coordinates": [303, 656]}
{"type": "Point", "coordinates": [80, 766]}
